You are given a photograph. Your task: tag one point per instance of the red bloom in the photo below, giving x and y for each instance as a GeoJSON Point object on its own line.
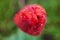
{"type": "Point", "coordinates": [31, 19]}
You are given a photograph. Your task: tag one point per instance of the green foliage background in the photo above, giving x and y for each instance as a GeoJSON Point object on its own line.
{"type": "Point", "coordinates": [9, 31]}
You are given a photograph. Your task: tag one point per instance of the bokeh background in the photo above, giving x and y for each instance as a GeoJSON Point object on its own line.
{"type": "Point", "coordinates": [8, 29]}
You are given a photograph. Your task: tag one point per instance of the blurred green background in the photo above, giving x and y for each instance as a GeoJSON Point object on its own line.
{"type": "Point", "coordinates": [9, 31]}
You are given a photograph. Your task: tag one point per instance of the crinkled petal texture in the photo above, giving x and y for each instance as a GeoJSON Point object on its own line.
{"type": "Point", "coordinates": [31, 19]}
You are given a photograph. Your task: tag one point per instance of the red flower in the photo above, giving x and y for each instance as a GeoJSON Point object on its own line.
{"type": "Point", "coordinates": [31, 19]}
